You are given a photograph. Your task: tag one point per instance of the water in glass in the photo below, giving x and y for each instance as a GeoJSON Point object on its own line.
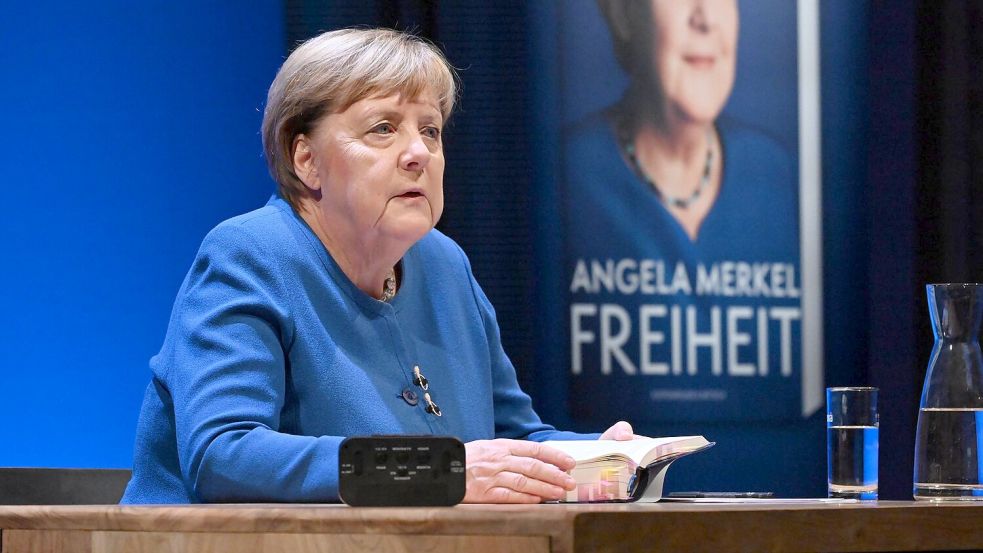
{"type": "Point", "coordinates": [853, 466]}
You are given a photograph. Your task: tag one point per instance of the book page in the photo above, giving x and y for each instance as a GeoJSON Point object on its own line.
{"type": "Point", "coordinates": [638, 451]}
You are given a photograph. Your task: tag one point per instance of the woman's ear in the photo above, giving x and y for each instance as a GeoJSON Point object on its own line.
{"type": "Point", "coordinates": [305, 166]}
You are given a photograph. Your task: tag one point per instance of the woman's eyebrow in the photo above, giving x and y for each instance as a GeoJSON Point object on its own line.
{"type": "Point", "coordinates": [435, 118]}
{"type": "Point", "coordinates": [374, 113]}
{"type": "Point", "coordinates": [381, 113]}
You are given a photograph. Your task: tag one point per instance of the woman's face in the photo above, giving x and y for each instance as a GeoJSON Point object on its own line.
{"type": "Point", "coordinates": [380, 167]}
{"type": "Point", "coordinates": [694, 55]}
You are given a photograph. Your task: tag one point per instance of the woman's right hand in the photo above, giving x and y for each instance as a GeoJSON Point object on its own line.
{"type": "Point", "coordinates": [516, 471]}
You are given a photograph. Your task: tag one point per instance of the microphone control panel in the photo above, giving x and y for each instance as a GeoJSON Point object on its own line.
{"type": "Point", "coordinates": [381, 471]}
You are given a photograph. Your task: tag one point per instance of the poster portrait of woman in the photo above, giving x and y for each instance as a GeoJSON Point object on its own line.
{"type": "Point", "coordinates": [681, 207]}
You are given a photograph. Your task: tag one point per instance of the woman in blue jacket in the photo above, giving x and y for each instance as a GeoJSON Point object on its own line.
{"type": "Point", "coordinates": [337, 309]}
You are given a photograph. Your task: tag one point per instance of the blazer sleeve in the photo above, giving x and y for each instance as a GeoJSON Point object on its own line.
{"type": "Point", "coordinates": [224, 364]}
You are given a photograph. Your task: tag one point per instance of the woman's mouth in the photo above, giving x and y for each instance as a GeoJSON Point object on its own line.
{"type": "Point", "coordinates": [412, 194]}
{"type": "Point", "coordinates": [699, 61]}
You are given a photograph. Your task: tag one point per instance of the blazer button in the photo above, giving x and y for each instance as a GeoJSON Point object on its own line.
{"type": "Point", "coordinates": [409, 396]}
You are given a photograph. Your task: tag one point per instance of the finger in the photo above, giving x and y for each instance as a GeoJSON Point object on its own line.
{"type": "Point", "coordinates": [620, 430]}
{"type": "Point", "coordinates": [539, 471]}
{"type": "Point", "coordinates": [623, 431]}
{"type": "Point", "coordinates": [542, 452]}
{"type": "Point", "coordinates": [507, 495]}
{"type": "Point", "coordinates": [528, 485]}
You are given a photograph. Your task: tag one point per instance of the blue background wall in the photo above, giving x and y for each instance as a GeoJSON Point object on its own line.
{"type": "Point", "coordinates": [131, 129]}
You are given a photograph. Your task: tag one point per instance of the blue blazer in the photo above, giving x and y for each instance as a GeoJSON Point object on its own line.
{"type": "Point", "coordinates": [272, 356]}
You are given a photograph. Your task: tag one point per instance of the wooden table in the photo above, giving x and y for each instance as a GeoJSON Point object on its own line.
{"type": "Point", "coordinates": [875, 526]}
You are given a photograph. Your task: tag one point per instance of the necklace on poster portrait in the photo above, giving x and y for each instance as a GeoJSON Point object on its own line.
{"type": "Point", "coordinates": [682, 203]}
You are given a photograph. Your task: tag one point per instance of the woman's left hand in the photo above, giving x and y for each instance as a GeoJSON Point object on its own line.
{"type": "Point", "coordinates": [620, 430]}
{"type": "Point", "coordinates": [516, 471]}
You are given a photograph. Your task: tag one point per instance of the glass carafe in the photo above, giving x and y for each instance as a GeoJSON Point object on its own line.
{"type": "Point", "coordinates": [948, 461]}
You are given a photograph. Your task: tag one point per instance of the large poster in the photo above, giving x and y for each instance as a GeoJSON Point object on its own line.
{"type": "Point", "coordinates": [690, 202]}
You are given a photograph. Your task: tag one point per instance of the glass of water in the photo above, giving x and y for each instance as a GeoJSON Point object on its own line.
{"type": "Point", "coordinates": [852, 442]}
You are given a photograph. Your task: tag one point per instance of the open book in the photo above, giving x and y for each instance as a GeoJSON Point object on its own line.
{"type": "Point", "coordinates": [610, 470]}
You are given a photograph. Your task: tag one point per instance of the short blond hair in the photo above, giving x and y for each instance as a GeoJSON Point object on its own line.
{"type": "Point", "coordinates": [332, 71]}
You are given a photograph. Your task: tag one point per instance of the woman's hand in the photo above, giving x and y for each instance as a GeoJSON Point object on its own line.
{"type": "Point", "coordinates": [516, 471]}
{"type": "Point", "coordinates": [620, 430]}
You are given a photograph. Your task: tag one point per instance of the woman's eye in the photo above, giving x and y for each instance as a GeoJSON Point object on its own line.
{"type": "Point", "coordinates": [431, 132]}
{"type": "Point", "coordinates": [384, 128]}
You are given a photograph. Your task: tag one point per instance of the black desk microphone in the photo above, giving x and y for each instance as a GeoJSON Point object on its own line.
{"type": "Point", "coordinates": [401, 471]}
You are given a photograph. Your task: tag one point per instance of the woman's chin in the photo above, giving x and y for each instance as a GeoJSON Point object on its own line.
{"type": "Point", "coordinates": [700, 114]}
{"type": "Point", "coordinates": [408, 229]}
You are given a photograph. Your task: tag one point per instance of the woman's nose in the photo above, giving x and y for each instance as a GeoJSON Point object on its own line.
{"type": "Point", "coordinates": [415, 155]}
{"type": "Point", "coordinates": [698, 18]}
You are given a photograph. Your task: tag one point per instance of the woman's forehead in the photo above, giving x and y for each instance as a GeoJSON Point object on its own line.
{"type": "Point", "coordinates": [395, 101]}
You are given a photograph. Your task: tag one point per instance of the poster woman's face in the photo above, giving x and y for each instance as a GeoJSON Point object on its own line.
{"type": "Point", "coordinates": [694, 55]}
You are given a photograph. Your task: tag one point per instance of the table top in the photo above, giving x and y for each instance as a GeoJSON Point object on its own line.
{"type": "Point", "coordinates": [761, 526]}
